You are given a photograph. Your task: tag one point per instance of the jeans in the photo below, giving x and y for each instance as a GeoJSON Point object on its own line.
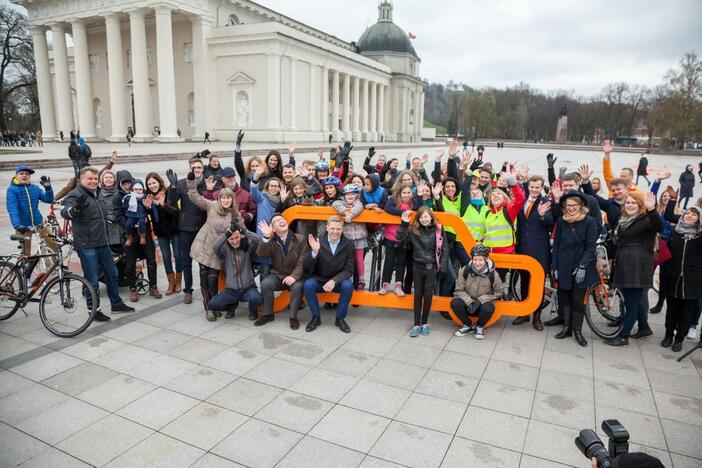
{"type": "Point", "coordinates": [460, 253]}
{"type": "Point", "coordinates": [165, 243]}
{"type": "Point", "coordinates": [92, 261]}
{"type": "Point", "coordinates": [270, 284]}
{"type": "Point", "coordinates": [131, 222]}
{"type": "Point", "coordinates": [186, 241]}
{"type": "Point", "coordinates": [230, 298]}
{"type": "Point", "coordinates": [464, 311]}
{"type": "Point", "coordinates": [635, 311]}
{"type": "Point", "coordinates": [423, 291]}
{"type": "Point", "coordinates": [345, 289]}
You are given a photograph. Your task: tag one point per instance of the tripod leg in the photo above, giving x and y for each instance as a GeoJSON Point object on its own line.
{"type": "Point", "coordinates": [699, 346]}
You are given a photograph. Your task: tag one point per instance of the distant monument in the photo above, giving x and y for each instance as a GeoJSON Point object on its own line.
{"type": "Point", "coordinates": [562, 127]}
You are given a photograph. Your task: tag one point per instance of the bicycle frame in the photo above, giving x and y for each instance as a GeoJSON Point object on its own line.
{"type": "Point", "coordinates": [440, 303]}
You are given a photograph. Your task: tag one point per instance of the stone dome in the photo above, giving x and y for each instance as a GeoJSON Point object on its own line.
{"type": "Point", "coordinates": [385, 36]}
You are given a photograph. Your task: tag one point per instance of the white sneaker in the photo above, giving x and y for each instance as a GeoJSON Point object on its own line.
{"type": "Point", "coordinates": [692, 333]}
{"type": "Point", "coordinates": [464, 330]}
{"type": "Point", "coordinates": [479, 334]}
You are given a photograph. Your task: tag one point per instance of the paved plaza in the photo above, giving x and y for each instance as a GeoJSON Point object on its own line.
{"type": "Point", "coordinates": [164, 387]}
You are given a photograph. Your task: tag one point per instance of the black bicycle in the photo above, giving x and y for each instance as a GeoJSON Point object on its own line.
{"type": "Point", "coordinates": [67, 302]}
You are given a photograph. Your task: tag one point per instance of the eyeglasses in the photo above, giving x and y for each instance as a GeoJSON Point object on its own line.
{"type": "Point", "coordinates": [572, 205]}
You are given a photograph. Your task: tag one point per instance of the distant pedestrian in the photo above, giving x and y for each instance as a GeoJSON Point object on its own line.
{"type": "Point", "coordinates": [61, 135]}
{"type": "Point", "coordinates": [642, 170]}
{"type": "Point", "coordinates": [207, 138]}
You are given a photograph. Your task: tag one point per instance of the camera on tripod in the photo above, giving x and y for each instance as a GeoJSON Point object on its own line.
{"type": "Point", "coordinates": [592, 446]}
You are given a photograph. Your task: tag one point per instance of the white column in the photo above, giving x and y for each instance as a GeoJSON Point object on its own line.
{"type": "Point", "coordinates": [46, 93]}
{"type": "Point", "coordinates": [325, 102]}
{"type": "Point", "coordinates": [167, 110]}
{"type": "Point", "coordinates": [335, 106]}
{"type": "Point", "coordinates": [421, 114]}
{"type": "Point", "coordinates": [293, 93]}
{"type": "Point", "coordinates": [201, 61]}
{"type": "Point", "coordinates": [140, 78]}
{"type": "Point", "coordinates": [404, 114]}
{"type": "Point", "coordinates": [314, 106]}
{"type": "Point", "coordinates": [356, 103]}
{"type": "Point", "coordinates": [84, 89]}
{"type": "Point", "coordinates": [64, 103]}
{"type": "Point", "coordinates": [417, 123]}
{"type": "Point", "coordinates": [381, 112]}
{"type": "Point", "coordinates": [273, 90]}
{"type": "Point", "coordinates": [115, 65]}
{"type": "Point", "coordinates": [365, 134]}
{"type": "Point", "coordinates": [373, 112]}
{"type": "Point", "coordinates": [345, 116]}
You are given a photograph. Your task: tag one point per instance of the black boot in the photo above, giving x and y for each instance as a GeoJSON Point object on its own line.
{"type": "Point", "coordinates": [667, 341]}
{"type": "Point", "coordinates": [577, 329]}
{"type": "Point", "coordinates": [567, 329]}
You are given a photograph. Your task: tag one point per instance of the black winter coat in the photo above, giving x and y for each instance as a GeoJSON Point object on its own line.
{"type": "Point", "coordinates": [168, 215]}
{"type": "Point", "coordinates": [89, 225]}
{"type": "Point", "coordinates": [534, 234]}
{"type": "Point", "coordinates": [326, 266]}
{"type": "Point", "coordinates": [424, 254]}
{"type": "Point", "coordinates": [687, 184]}
{"type": "Point", "coordinates": [633, 260]}
{"type": "Point", "coordinates": [573, 246]}
{"type": "Point", "coordinates": [681, 276]}
{"type": "Point", "coordinates": [643, 166]}
{"type": "Point", "coordinates": [191, 217]}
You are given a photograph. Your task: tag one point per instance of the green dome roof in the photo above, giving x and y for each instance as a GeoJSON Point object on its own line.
{"type": "Point", "coordinates": [385, 37]}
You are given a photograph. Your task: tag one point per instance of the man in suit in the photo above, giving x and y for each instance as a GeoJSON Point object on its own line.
{"type": "Point", "coordinates": [330, 264]}
{"type": "Point", "coordinates": [534, 225]}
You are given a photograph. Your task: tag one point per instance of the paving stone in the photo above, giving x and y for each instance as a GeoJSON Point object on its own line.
{"type": "Point", "coordinates": [564, 410]}
{"type": "Point", "coordinates": [505, 398]}
{"type": "Point", "coordinates": [464, 453]}
{"type": "Point", "coordinates": [106, 439]}
{"type": "Point", "coordinates": [350, 428]}
{"type": "Point", "coordinates": [277, 372]}
{"type": "Point", "coordinates": [116, 392]}
{"type": "Point", "coordinates": [533, 462]}
{"type": "Point", "coordinates": [194, 326]}
{"type": "Point", "coordinates": [675, 384]}
{"type": "Point", "coordinates": [200, 382]}
{"type": "Point", "coordinates": [627, 373]}
{"type": "Point", "coordinates": [414, 353]}
{"type": "Point", "coordinates": [53, 458]}
{"type": "Point", "coordinates": [210, 460]}
{"type": "Point", "coordinates": [567, 363]}
{"type": "Point", "coordinates": [494, 428]}
{"type": "Point", "coordinates": [204, 426]}
{"type": "Point", "coordinates": [12, 346]}
{"type": "Point", "coordinates": [164, 318]}
{"type": "Point", "coordinates": [448, 386]}
{"type": "Point", "coordinates": [323, 384]}
{"type": "Point", "coordinates": [369, 344]}
{"type": "Point", "coordinates": [643, 429]}
{"type": "Point", "coordinates": [79, 379]}
{"type": "Point", "coordinates": [553, 443]}
{"type": "Point", "coordinates": [433, 413]}
{"type": "Point", "coordinates": [472, 347]}
{"type": "Point", "coordinates": [235, 361]}
{"type": "Point", "coordinates": [157, 408]}
{"type": "Point", "coordinates": [11, 383]}
{"type": "Point", "coordinates": [28, 402]}
{"type": "Point", "coordinates": [302, 352]}
{"type": "Point", "coordinates": [345, 362]}
{"type": "Point", "coordinates": [397, 374]}
{"type": "Point", "coordinates": [16, 446]}
{"type": "Point", "coordinates": [62, 420]}
{"type": "Point", "coordinates": [628, 397]}
{"type": "Point", "coordinates": [376, 398]}
{"type": "Point", "coordinates": [511, 373]}
{"type": "Point", "coordinates": [198, 350]}
{"type": "Point", "coordinates": [679, 408]}
{"type": "Point", "coordinates": [311, 452]}
{"type": "Point", "coordinates": [158, 450]}
{"type": "Point", "coordinates": [229, 334]}
{"type": "Point", "coordinates": [163, 340]}
{"type": "Point", "coordinates": [125, 358]}
{"type": "Point", "coordinates": [372, 462]}
{"type": "Point", "coordinates": [265, 343]}
{"type": "Point", "coordinates": [681, 461]}
{"type": "Point", "coordinates": [93, 348]}
{"type": "Point", "coordinates": [131, 332]}
{"type": "Point", "coordinates": [683, 438]}
{"type": "Point", "coordinates": [518, 353]}
{"type": "Point", "coordinates": [294, 411]}
{"type": "Point", "coordinates": [411, 445]}
{"type": "Point", "coordinates": [561, 383]}
{"type": "Point", "coordinates": [257, 443]}
{"type": "Point", "coordinates": [161, 369]}
{"type": "Point", "coordinates": [46, 366]}
{"type": "Point", "coordinates": [245, 396]}
{"type": "Point", "coordinates": [460, 364]}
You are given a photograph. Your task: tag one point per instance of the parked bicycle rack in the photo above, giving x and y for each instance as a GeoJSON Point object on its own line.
{"type": "Point", "coordinates": [440, 303]}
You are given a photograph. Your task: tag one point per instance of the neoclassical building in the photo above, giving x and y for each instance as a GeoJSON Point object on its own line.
{"type": "Point", "coordinates": [173, 69]}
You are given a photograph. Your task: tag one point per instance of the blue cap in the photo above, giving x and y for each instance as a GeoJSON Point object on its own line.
{"type": "Point", "coordinates": [228, 172]}
{"type": "Point", "coordinates": [24, 167]}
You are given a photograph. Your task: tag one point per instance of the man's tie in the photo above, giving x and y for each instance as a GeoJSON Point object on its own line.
{"type": "Point", "coordinates": [531, 205]}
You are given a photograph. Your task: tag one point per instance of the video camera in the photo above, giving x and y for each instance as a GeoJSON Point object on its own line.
{"type": "Point", "coordinates": [592, 446]}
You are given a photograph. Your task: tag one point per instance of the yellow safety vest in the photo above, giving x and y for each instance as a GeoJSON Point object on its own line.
{"type": "Point", "coordinates": [498, 230]}
{"type": "Point", "coordinates": [475, 221]}
{"type": "Point", "coordinates": [451, 207]}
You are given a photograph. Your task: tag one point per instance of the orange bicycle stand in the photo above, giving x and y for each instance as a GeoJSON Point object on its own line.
{"type": "Point", "coordinates": [526, 306]}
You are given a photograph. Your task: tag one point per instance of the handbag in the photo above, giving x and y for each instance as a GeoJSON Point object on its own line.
{"type": "Point", "coordinates": [661, 251]}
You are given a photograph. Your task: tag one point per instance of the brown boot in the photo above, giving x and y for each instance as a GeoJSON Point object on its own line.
{"type": "Point", "coordinates": [520, 320]}
{"type": "Point", "coordinates": [142, 239]}
{"type": "Point", "coordinates": [155, 293]}
{"type": "Point", "coordinates": [177, 286]}
{"type": "Point", "coordinates": [171, 284]}
{"type": "Point", "coordinates": [128, 241]}
{"type": "Point", "coordinates": [536, 321]}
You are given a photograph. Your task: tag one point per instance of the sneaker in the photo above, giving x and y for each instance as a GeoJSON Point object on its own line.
{"type": "Point", "coordinates": [384, 289]}
{"type": "Point", "coordinates": [398, 290]}
{"type": "Point", "coordinates": [210, 315]}
{"type": "Point", "coordinates": [464, 330]}
{"type": "Point", "coordinates": [479, 333]}
{"type": "Point", "coordinates": [121, 308]}
{"type": "Point", "coordinates": [415, 331]}
{"type": "Point", "coordinates": [425, 330]}
{"type": "Point", "coordinates": [100, 317]}
{"type": "Point", "coordinates": [692, 333]}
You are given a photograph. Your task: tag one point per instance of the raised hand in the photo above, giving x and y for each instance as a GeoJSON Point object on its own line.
{"type": "Point", "coordinates": [260, 170]}
{"type": "Point", "coordinates": [466, 158]}
{"type": "Point", "coordinates": [562, 171]}
{"type": "Point", "coordinates": [172, 177]}
{"type": "Point", "coordinates": [662, 175]}
{"type": "Point", "coordinates": [424, 159]}
{"type": "Point", "coordinates": [45, 182]}
{"type": "Point", "coordinates": [606, 147]}
{"type": "Point", "coordinates": [543, 208]}
{"type": "Point", "coordinates": [523, 172]}
{"type": "Point", "coordinates": [346, 150]}
{"type": "Point", "coordinates": [371, 151]}
{"type": "Point", "coordinates": [557, 192]}
{"type": "Point", "coordinates": [406, 216]}
{"type": "Point", "coordinates": [291, 148]}
{"type": "Point", "coordinates": [148, 201]}
{"type": "Point", "coordinates": [453, 148]}
{"type": "Point", "coordinates": [191, 175]}
{"type": "Point", "coordinates": [210, 183]}
{"type": "Point", "coordinates": [239, 137]}
{"type": "Point", "coordinates": [436, 191]}
{"type": "Point", "coordinates": [650, 201]}
{"type": "Point", "coordinates": [265, 228]}
{"type": "Point", "coordinates": [421, 186]}
{"type": "Point", "coordinates": [585, 172]}
{"type": "Point", "coordinates": [283, 193]}
{"type": "Point", "coordinates": [439, 155]}
{"type": "Point", "coordinates": [550, 160]}
{"type": "Point", "coordinates": [314, 243]}
{"type": "Point", "coordinates": [113, 156]}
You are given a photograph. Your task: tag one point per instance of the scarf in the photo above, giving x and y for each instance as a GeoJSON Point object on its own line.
{"type": "Point", "coordinates": [134, 201]}
{"type": "Point", "coordinates": [484, 271]}
{"type": "Point", "coordinates": [625, 223]}
{"type": "Point", "coordinates": [273, 200]}
{"type": "Point", "coordinates": [579, 216]}
{"type": "Point", "coordinates": [687, 230]}
{"type": "Point", "coordinates": [478, 202]}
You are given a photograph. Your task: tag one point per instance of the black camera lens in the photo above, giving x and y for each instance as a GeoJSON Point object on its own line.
{"type": "Point", "coordinates": [591, 446]}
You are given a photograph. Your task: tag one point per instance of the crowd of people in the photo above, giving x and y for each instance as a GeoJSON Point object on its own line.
{"type": "Point", "coordinates": [229, 221]}
{"type": "Point", "coordinates": [21, 139]}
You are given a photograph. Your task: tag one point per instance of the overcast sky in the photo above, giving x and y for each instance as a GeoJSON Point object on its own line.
{"type": "Point", "coordinates": [578, 45]}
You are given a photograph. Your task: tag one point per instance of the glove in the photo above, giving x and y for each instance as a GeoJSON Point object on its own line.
{"type": "Point", "coordinates": [561, 172]}
{"type": "Point", "coordinates": [191, 175]}
{"type": "Point", "coordinates": [81, 202]}
{"type": "Point", "coordinates": [554, 274]}
{"type": "Point", "coordinates": [45, 182]}
{"type": "Point", "coordinates": [346, 150]}
{"type": "Point", "coordinates": [475, 164]}
{"type": "Point", "coordinates": [579, 274]}
{"type": "Point", "coordinates": [550, 160]}
{"type": "Point", "coordinates": [371, 151]}
{"type": "Point", "coordinates": [172, 177]}
{"type": "Point", "coordinates": [511, 181]}
{"type": "Point", "coordinates": [239, 137]}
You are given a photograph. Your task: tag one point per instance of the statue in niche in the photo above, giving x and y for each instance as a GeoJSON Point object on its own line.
{"type": "Point", "coordinates": [242, 110]}
{"type": "Point", "coordinates": [188, 52]}
{"type": "Point", "coordinates": [98, 115]}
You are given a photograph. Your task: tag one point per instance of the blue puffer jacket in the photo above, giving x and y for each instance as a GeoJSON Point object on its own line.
{"type": "Point", "coordinates": [22, 201]}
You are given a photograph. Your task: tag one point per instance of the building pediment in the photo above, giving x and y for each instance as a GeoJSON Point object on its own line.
{"type": "Point", "coordinates": [239, 79]}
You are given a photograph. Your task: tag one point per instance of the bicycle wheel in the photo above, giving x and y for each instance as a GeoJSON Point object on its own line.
{"type": "Point", "coordinates": [515, 284]}
{"type": "Point", "coordinates": [657, 279]}
{"type": "Point", "coordinates": [67, 305]}
{"type": "Point", "coordinates": [605, 310]}
{"type": "Point", "coordinates": [11, 290]}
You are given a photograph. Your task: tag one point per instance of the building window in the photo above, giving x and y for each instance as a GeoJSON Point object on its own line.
{"type": "Point", "coordinates": [233, 20]}
{"type": "Point", "coordinates": [188, 52]}
{"type": "Point", "coordinates": [94, 60]}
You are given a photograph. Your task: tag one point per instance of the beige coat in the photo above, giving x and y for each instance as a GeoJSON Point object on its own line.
{"type": "Point", "coordinates": [476, 287]}
{"type": "Point", "coordinates": [202, 250]}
